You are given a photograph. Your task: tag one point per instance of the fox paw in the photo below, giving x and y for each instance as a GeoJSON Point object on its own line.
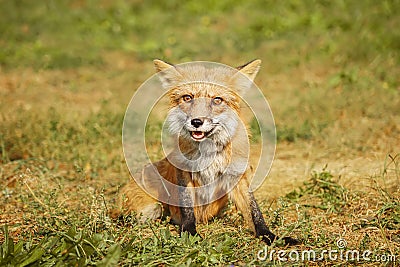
{"type": "Point", "coordinates": [190, 228]}
{"type": "Point", "coordinates": [288, 241]}
{"type": "Point", "coordinates": [291, 241]}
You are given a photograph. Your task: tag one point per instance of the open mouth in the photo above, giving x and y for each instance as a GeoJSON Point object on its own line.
{"type": "Point", "coordinates": [199, 135]}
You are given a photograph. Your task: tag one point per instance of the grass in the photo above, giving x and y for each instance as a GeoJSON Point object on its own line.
{"type": "Point", "coordinates": [67, 235]}
{"type": "Point", "coordinates": [68, 69]}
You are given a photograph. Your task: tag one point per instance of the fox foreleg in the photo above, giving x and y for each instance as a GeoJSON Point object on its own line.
{"type": "Point", "coordinates": [247, 204]}
{"type": "Point", "coordinates": [188, 219]}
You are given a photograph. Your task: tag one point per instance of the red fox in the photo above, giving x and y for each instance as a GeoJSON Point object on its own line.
{"type": "Point", "coordinates": [213, 141]}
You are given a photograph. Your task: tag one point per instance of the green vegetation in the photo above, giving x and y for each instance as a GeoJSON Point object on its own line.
{"type": "Point", "coordinates": [332, 197]}
{"type": "Point", "coordinates": [68, 69]}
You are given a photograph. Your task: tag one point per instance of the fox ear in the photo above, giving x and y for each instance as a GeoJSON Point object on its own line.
{"type": "Point", "coordinates": [167, 73]}
{"type": "Point", "coordinates": [243, 79]}
{"type": "Point", "coordinates": [161, 65]}
{"type": "Point", "coordinates": [250, 69]}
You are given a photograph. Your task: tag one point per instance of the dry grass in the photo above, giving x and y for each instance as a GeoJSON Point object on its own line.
{"type": "Point", "coordinates": [335, 98]}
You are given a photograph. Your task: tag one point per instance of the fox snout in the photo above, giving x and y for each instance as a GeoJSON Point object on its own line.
{"type": "Point", "coordinates": [200, 127]}
{"type": "Point", "coordinates": [197, 122]}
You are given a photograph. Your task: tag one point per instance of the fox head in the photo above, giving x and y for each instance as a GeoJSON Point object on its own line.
{"type": "Point", "coordinates": [205, 101]}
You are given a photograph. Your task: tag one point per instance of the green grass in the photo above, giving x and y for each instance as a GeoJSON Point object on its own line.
{"type": "Point", "coordinates": [68, 69]}
{"type": "Point", "coordinates": [329, 194]}
{"type": "Point", "coordinates": [48, 136]}
{"type": "Point", "coordinates": [68, 236]}
{"type": "Point", "coordinates": [45, 36]}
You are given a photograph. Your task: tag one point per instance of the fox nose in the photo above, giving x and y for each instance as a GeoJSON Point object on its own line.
{"type": "Point", "coordinates": [196, 122]}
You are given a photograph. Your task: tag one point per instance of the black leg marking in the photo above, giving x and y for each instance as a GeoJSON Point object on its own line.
{"type": "Point", "coordinates": [261, 227]}
{"type": "Point", "coordinates": [259, 223]}
{"type": "Point", "coordinates": [188, 219]}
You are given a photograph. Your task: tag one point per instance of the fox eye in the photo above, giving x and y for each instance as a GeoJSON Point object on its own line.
{"type": "Point", "coordinates": [187, 98]}
{"type": "Point", "coordinates": [217, 100]}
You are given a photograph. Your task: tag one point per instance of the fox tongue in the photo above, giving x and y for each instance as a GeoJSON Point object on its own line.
{"type": "Point", "coordinates": [198, 134]}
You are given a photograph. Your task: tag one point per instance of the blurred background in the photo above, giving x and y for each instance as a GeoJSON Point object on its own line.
{"type": "Point", "coordinates": [330, 68]}
{"type": "Point", "coordinates": [69, 68]}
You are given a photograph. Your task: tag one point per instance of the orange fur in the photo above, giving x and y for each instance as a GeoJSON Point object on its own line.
{"type": "Point", "coordinates": [209, 96]}
{"type": "Point", "coordinates": [189, 81]}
